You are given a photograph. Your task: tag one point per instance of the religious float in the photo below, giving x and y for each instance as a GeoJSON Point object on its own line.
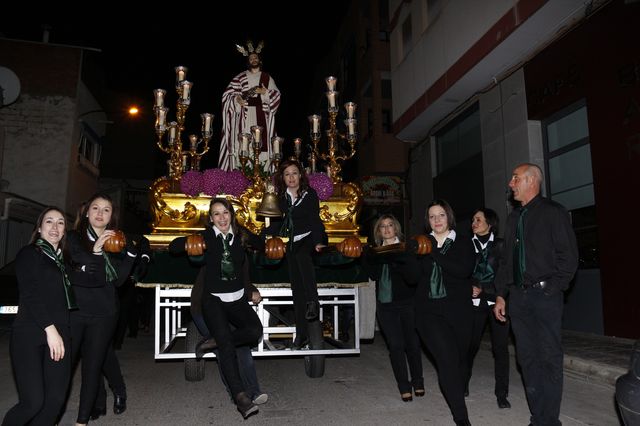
{"type": "Point", "coordinates": [180, 206]}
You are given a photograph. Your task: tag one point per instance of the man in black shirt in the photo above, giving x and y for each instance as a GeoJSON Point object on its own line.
{"type": "Point", "coordinates": [539, 260]}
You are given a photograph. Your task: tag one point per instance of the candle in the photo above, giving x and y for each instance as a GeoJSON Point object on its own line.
{"type": "Point", "coordinates": [181, 74]}
{"type": "Point", "coordinates": [351, 125]}
{"type": "Point", "coordinates": [313, 164]}
{"type": "Point", "coordinates": [328, 170]}
{"type": "Point", "coordinates": [275, 142]}
{"type": "Point", "coordinates": [193, 140]}
{"type": "Point", "coordinates": [244, 142]}
{"type": "Point", "coordinates": [331, 83]}
{"type": "Point", "coordinates": [186, 88]}
{"type": "Point", "coordinates": [159, 95]}
{"type": "Point", "coordinates": [315, 123]}
{"type": "Point", "coordinates": [184, 161]}
{"type": "Point", "coordinates": [256, 131]}
{"type": "Point", "coordinates": [331, 98]}
{"type": "Point", "coordinates": [297, 145]}
{"type": "Point", "coordinates": [172, 132]}
{"type": "Point", "coordinates": [161, 117]}
{"type": "Point", "coordinates": [206, 122]}
{"type": "Point", "coordinates": [351, 109]}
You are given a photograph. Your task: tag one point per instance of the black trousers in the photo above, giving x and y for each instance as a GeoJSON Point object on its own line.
{"type": "Point", "coordinates": [536, 319]}
{"type": "Point", "coordinates": [91, 337]}
{"type": "Point", "coordinates": [445, 328]}
{"type": "Point", "coordinates": [220, 317]}
{"type": "Point", "coordinates": [482, 315]}
{"type": "Point", "coordinates": [398, 324]}
{"type": "Point", "coordinates": [42, 383]}
{"type": "Point", "coordinates": [112, 372]}
{"type": "Point", "coordinates": [302, 273]}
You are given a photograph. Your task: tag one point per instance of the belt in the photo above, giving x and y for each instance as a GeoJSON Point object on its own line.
{"type": "Point", "coordinates": [539, 285]}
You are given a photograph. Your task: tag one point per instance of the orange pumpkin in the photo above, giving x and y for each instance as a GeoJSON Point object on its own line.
{"type": "Point", "coordinates": [116, 243]}
{"type": "Point", "coordinates": [350, 247]}
{"type": "Point", "coordinates": [195, 245]}
{"type": "Point", "coordinates": [424, 244]}
{"type": "Point", "coordinates": [274, 248]}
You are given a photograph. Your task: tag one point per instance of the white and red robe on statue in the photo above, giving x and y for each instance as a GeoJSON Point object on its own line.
{"type": "Point", "coordinates": [261, 111]}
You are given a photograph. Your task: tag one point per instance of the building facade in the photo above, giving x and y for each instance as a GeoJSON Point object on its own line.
{"type": "Point", "coordinates": [482, 86]}
{"type": "Point", "coordinates": [50, 137]}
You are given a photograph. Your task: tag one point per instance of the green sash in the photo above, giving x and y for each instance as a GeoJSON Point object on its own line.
{"type": "Point", "coordinates": [437, 289]}
{"type": "Point", "coordinates": [59, 259]}
{"type": "Point", "coordinates": [109, 270]}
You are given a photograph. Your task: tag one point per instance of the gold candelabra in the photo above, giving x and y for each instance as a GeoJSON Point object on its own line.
{"type": "Point", "coordinates": [180, 160]}
{"type": "Point", "coordinates": [253, 142]}
{"type": "Point", "coordinates": [333, 154]}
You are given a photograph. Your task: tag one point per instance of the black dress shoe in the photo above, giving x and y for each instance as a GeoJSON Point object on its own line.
{"type": "Point", "coordinates": [406, 397]}
{"type": "Point", "coordinates": [503, 402]}
{"type": "Point", "coordinates": [312, 311]}
{"type": "Point", "coordinates": [245, 406]}
{"type": "Point", "coordinates": [299, 342]}
{"type": "Point", "coordinates": [97, 412]}
{"type": "Point", "coordinates": [119, 404]}
{"type": "Point", "coordinates": [205, 345]}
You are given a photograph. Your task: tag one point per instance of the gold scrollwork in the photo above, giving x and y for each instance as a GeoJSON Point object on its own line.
{"type": "Point", "coordinates": [160, 207]}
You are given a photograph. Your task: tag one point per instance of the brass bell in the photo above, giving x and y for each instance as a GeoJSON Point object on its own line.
{"type": "Point", "coordinates": [269, 206]}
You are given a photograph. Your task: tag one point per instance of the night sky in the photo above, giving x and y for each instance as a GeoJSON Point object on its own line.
{"type": "Point", "coordinates": [139, 54]}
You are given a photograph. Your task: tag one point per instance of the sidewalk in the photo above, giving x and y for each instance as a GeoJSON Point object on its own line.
{"type": "Point", "coordinates": [590, 357]}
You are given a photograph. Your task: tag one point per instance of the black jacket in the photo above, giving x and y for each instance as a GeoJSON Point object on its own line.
{"type": "Point", "coordinates": [457, 266]}
{"type": "Point", "coordinates": [94, 295]}
{"type": "Point", "coordinates": [494, 254]}
{"type": "Point", "coordinates": [551, 250]}
{"type": "Point", "coordinates": [42, 300]}
{"type": "Point", "coordinates": [306, 217]}
{"type": "Point", "coordinates": [212, 257]}
{"type": "Point", "coordinates": [404, 273]}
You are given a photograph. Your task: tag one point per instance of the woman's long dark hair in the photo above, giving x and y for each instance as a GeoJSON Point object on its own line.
{"type": "Point", "coordinates": [82, 219]}
{"type": "Point", "coordinates": [36, 234]}
{"type": "Point", "coordinates": [281, 187]}
{"type": "Point", "coordinates": [239, 231]}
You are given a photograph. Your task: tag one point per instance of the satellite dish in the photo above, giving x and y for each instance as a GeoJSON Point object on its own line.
{"type": "Point", "coordinates": [9, 86]}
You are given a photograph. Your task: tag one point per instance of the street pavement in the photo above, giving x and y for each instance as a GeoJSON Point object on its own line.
{"type": "Point", "coordinates": [355, 390]}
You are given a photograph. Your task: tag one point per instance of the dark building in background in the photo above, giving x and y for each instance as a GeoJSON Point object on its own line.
{"type": "Point", "coordinates": [360, 61]}
{"type": "Point", "coordinates": [482, 86]}
{"type": "Point", "coordinates": [51, 135]}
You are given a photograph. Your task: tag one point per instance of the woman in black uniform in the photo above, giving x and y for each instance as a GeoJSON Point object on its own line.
{"type": "Point", "coordinates": [488, 248]}
{"type": "Point", "coordinates": [93, 325]}
{"type": "Point", "coordinates": [302, 225]}
{"type": "Point", "coordinates": [443, 306]}
{"type": "Point", "coordinates": [40, 337]}
{"type": "Point", "coordinates": [224, 300]}
{"type": "Point", "coordinates": [397, 275]}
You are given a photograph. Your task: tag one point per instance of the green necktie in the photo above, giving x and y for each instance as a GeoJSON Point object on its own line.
{"type": "Point", "coordinates": [437, 289]}
{"type": "Point", "coordinates": [58, 258]}
{"type": "Point", "coordinates": [227, 271]}
{"type": "Point", "coordinates": [483, 272]}
{"type": "Point", "coordinates": [287, 225]}
{"type": "Point", "coordinates": [384, 292]}
{"type": "Point", "coordinates": [519, 264]}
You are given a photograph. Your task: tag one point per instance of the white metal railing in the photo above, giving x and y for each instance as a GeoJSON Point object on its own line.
{"type": "Point", "coordinates": [169, 327]}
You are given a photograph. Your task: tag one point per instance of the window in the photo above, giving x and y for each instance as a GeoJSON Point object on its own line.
{"type": "Point", "coordinates": [459, 140]}
{"type": "Point", "coordinates": [386, 121]}
{"type": "Point", "coordinates": [570, 176]}
{"type": "Point", "coordinates": [89, 146]}
{"type": "Point", "coordinates": [406, 35]}
{"type": "Point", "coordinates": [385, 88]}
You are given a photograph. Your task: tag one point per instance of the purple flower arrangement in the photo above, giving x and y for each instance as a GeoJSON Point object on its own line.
{"type": "Point", "coordinates": [213, 182]}
{"type": "Point", "coordinates": [191, 183]}
{"type": "Point", "coordinates": [322, 184]}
